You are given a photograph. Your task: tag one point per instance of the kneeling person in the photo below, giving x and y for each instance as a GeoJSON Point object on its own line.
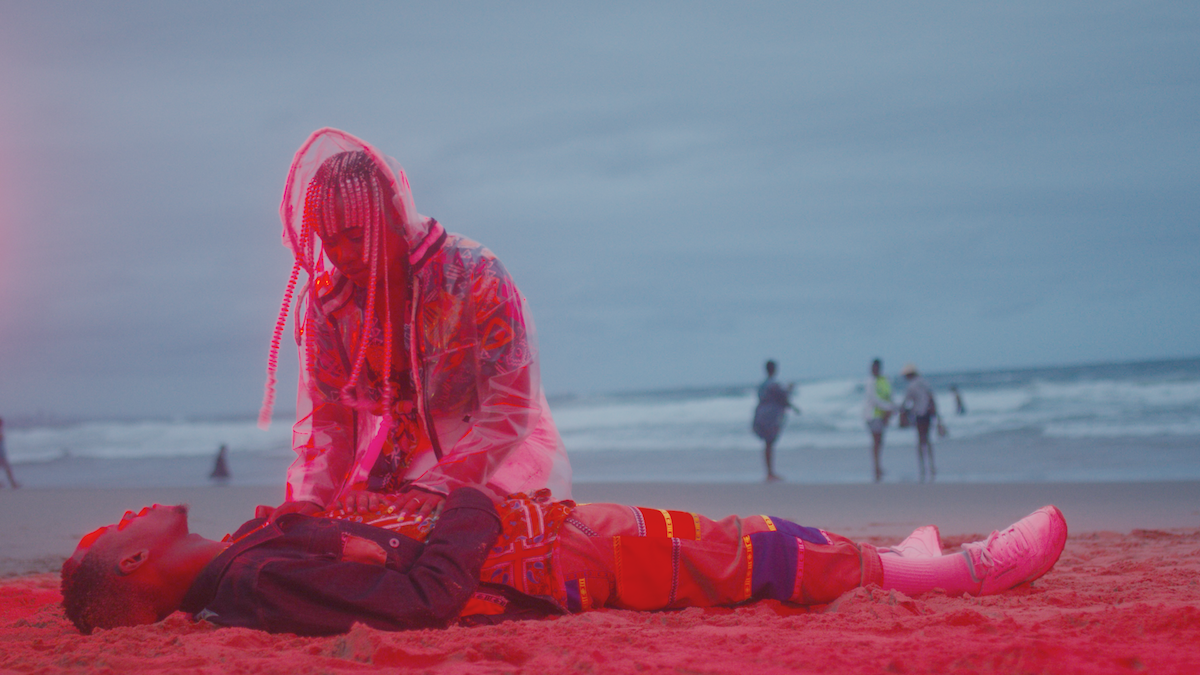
{"type": "Point", "coordinates": [528, 556]}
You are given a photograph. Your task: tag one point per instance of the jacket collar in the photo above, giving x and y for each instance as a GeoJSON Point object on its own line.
{"type": "Point", "coordinates": [430, 244]}
{"type": "Point", "coordinates": [204, 588]}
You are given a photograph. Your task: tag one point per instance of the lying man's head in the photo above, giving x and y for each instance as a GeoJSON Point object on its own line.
{"type": "Point", "coordinates": [135, 571]}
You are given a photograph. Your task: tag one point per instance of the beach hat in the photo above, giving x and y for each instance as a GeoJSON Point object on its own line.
{"type": "Point", "coordinates": [909, 368]}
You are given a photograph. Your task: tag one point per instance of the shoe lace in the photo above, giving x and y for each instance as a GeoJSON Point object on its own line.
{"type": "Point", "coordinates": [984, 548]}
{"type": "Point", "coordinates": [981, 547]}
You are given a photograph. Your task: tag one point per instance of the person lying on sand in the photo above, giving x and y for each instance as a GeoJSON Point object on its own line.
{"type": "Point", "coordinates": [529, 556]}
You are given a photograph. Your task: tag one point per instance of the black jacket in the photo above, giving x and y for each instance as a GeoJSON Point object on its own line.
{"type": "Point", "coordinates": [297, 575]}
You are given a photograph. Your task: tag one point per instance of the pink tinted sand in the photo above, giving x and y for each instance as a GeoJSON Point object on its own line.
{"type": "Point", "coordinates": [1115, 603]}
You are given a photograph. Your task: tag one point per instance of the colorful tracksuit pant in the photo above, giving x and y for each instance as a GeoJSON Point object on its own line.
{"type": "Point", "coordinates": [637, 558]}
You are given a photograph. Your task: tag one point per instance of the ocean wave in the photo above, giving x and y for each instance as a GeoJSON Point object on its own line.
{"type": "Point", "coordinates": [1032, 408]}
{"type": "Point", "coordinates": [132, 440]}
{"type": "Point", "coordinates": [1132, 430]}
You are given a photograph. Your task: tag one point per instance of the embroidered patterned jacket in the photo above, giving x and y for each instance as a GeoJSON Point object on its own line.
{"type": "Point", "coordinates": [469, 409]}
{"type": "Point", "coordinates": [519, 578]}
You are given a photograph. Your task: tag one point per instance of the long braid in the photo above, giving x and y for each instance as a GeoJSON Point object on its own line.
{"type": "Point", "coordinates": [371, 236]}
{"type": "Point", "coordinates": [268, 404]}
{"type": "Point", "coordinates": [379, 262]}
{"type": "Point", "coordinates": [388, 389]}
{"type": "Point", "coordinates": [316, 269]}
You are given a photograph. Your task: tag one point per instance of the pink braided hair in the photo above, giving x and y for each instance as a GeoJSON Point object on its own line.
{"type": "Point", "coordinates": [351, 179]}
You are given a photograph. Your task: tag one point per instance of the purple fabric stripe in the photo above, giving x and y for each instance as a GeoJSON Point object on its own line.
{"type": "Point", "coordinates": [574, 600]}
{"type": "Point", "coordinates": [775, 564]}
{"type": "Point", "coordinates": [641, 522]}
{"type": "Point", "coordinates": [581, 527]}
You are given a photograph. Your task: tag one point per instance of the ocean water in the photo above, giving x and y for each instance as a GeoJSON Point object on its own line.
{"type": "Point", "coordinates": [1125, 421]}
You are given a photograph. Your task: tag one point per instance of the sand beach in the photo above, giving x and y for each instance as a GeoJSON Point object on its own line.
{"type": "Point", "coordinates": [1125, 596]}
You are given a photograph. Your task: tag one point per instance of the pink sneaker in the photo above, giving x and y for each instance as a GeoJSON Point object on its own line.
{"type": "Point", "coordinates": [924, 542]}
{"type": "Point", "coordinates": [1020, 554]}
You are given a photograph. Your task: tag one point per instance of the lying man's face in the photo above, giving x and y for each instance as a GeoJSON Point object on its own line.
{"type": "Point", "coordinates": [156, 525]}
{"type": "Point", "coordinates": [128, 573]}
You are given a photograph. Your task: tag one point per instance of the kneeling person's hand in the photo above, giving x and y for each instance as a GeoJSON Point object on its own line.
{"type": "Point", "coordinates": [419, 502]}
{"type": "Point", "coordinates": [303, 508]}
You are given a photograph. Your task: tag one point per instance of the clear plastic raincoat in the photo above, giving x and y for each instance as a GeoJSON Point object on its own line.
{"type": "Point", "coordinates": [468, 406]}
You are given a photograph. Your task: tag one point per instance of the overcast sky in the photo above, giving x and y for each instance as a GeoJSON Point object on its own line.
{"type": "Point", "coordinates": [681, 190]}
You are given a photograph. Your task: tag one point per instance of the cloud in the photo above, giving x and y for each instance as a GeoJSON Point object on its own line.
{"type": "Point", "coordinates": [678, 192]}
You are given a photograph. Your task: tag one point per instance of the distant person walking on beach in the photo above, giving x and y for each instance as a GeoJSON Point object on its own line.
{"type": "Point", "coordinates": [877, 409]}
{"type": "Point", "coordinates": [922, 408]}
{"type": "Point", "coordinates": [773, 404]}
{"type": "Point", "coordinates": [4, 458]}
{"type": "Point", "coordinates": [418, 363]}
{"type": "Point", "coordinates": [958, 402]}
{"type": "Point", "coordinates": [220, 472]}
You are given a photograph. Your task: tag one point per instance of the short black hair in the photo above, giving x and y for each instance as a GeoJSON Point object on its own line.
{"type": "Point", "coordinates": [94, 595]}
